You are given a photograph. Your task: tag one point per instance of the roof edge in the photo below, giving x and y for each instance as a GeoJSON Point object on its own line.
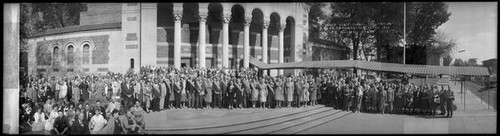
{"type": "Point", "coordinates": [78, 28]}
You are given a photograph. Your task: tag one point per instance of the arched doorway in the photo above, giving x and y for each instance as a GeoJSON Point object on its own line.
{"type": "Point", "coordinates": [255, 34]}
{"type": "Point", "coordinates": [236, 36]}
{"type": "Point", "coordinates": [165, 34]}
{"type": "Point", "coordinates": [214, 25]}
{"type": "Point", "coordinates": [190, 33]}
{"type": "Point", "coordinates": [273, 41]}
{"type": "Point", "coordinates": [289, 43]}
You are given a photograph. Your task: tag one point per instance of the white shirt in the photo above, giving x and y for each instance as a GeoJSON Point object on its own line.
{"type": "Point", "coordinates": [64, 91]}
{"type": "Point", "coordinates": [98, 122]}
{"type": "Point", "coordinates": [39, 117]}
{"type": "Point", "coordinates": [115, 87]}
{"type": "Point", "coordinates": [106, 90]}
{"type": "Point", "coordinates": [112, 106]}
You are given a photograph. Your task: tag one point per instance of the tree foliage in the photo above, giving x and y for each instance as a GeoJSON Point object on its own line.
{"type": "Point", "coordinates": [378, 28]}
{"type": "Point", "coordinates": [39, 17]}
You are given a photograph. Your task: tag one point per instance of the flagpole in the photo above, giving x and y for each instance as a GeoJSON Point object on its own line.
{"type": "Point", "coordinates": [404, 34]}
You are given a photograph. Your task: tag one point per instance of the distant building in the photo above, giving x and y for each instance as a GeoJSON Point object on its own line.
{"type": "Point", "coordinates": [328, 50]}
{"type": "Point", "coordinates": [472, 61]}
{"type": "Point", "coordinates": [118, 37]}
{"type": "Point", "coordinates": [491, 64]}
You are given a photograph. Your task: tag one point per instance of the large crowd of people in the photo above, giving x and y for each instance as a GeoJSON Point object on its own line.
{"type": "Point", "coordinates": [115, 103]}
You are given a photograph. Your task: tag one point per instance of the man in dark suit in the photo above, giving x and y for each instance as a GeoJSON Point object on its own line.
{"type": "Point", "coordinates": [298, 89]}
{"type": "Point", "coordinates": [84, 86]}
{"type": "Point", "coordinates": [199, 92]}
{"type": "Point", "coordinates": [247, 92]}
{"type": "Point", "coordinates": [224, 92]}
{"type": "Point", "coordinates": [449, 96]}
{"type": "Point", "coordinates": [127, 91]}
{"type": "Point", "coordinates": [190, 90]}
{"type": "Point", "coordinates": [217, 93]}
{"type": "Point", "coordinates": [169, 92]}
{"type": "Point", "coordinates": [87, 115]}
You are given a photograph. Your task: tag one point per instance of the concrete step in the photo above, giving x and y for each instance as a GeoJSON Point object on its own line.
{"type": "Point", "coordinates": [265, 129]}
{"type": "Point", "coordinates": [302, 127]}
{"type": "Point", "coordinates": [195, 124]}
{"type": "Point", "coordinates": [249, 125]}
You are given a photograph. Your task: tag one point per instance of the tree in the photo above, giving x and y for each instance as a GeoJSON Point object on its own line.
{"type": "Point", "coordinates": [353, 20]}
{"type": "Point", "coordinates": [381, 25]}
{"type": "Point", "coordinates": [441, 44]}
{"type": "Point", "coordinates": [388, 37]}
{"type": "Point", "coordinates": [423, 18]}
{"type": "Point", "coordinates": [459, 62]}
{"type": "Point", "coordinates": [39, 17]}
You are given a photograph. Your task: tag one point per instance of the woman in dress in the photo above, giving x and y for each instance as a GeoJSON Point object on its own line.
{"type": "Point", "coordinates": [255, 92]}
{"type": "Point", "coordinates": [32, 93]}
{"type": "Point", "coordinates": [49, 124]}
{"type": "Point", "coordinates": [263, 93]}
{"type": "Point", "coordinates": [289, 91]}
{"type": "Point", "coordinates": [76, 91]}
{"type": "Point", "coordinates": [147, 95]}
{"type": "Point", "coordinates": [183, 92]}
{"type": "Point", "coordinates": [279, 93]}
{"type": "Point", "coordinates": [208, 93]}
{"type": "Point", "coordinates": [171, 96]}
{"type": "Point", "coordinates": [97, 122]}
{"type": "Point", "coordinates": [305, 96]}
{"type": "Point", "coordinates": [313, 92]}
{"type": "Point", "coordinates": [39, 122]}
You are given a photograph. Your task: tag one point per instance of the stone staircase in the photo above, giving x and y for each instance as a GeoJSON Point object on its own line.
{"type": "Point", "coordinates": [276, 122]}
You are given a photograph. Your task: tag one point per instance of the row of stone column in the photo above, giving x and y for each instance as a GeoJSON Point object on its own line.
{"type": "Point", "coordinates": [203, 14]}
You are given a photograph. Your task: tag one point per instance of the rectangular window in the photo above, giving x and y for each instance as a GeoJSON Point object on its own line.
{"type": "Point", "coordinates": [131, 37]}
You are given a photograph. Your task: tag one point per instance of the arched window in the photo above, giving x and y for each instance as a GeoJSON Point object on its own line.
{"type": "Point", "coordinates": [55, 57]}
{"type": "Point", "coordinates": [86, 54]}
{"type": "Point", "coordinates": [71, 54]}
{"type": "Point", "coordinates": [131, 63]}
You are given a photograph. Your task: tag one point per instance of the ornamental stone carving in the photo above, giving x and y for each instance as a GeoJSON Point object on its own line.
{"type": "Point", "coordinates": [282, 27]}
{"type": "Point", "coordinates": [177, 15]}
{"type": "Point", "coordinates": [203, 16]}
{"type": "Point", "coordinates": [265, 24]}
{"type": "Point", "coordinates": [226, 17]}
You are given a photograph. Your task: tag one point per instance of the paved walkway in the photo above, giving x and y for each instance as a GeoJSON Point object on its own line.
{"type": "Point", "coordinates": [474, 117]}
{"type": "Point", "coordinates": [198, 118]}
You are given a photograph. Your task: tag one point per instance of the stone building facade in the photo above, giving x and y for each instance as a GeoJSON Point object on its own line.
{"type": "Point", "coordinates": [118, 37]}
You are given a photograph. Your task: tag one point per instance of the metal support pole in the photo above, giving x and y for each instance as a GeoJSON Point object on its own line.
{"type": "Point", "coordinates": [463, 83]}
{"type": "Point", "coordinates": [461, 94]}
{"type": "Point", "coordinates": [488, 100]}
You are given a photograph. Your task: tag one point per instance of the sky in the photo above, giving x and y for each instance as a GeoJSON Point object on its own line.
{"type": "Point", "coordinates": [474, 25]}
